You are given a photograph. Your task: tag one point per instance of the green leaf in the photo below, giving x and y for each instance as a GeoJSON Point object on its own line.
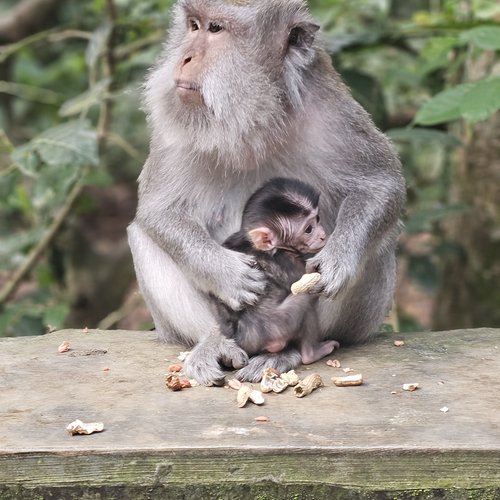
{"type": "Point", "coordinates": [423, 136]}
{"type": "Point", "coordinates": [474, 102]}
{"type": "Point", "coordinates": [73, 143]}
{"type": "Point", "coordinates": [6, 146]}
{"type": "Point", "coordinates": [98, 177]}
{"type": "Point", "coordinates": [443, 107]}
{"type": "Point", "coordinates": [422, 270]}
{"type": "Point", "coordinates": [435, 53]}
{"type": "Point", "coordinates": [56, 315]}
{"type": "Point", "coordinates": [410, 324]}
{"type": "Point", "coordinates": [29, 92]}
{"type": "Point", "coordinates": [485, 37]}
{"type": "Point", "coordinates": [20, 319]}
{"type": "Point", "coordinates": [52, 187]}
{"type": "Point", "coordinates": [20, 199]}
{"type": "Point", "coordinates": [482, 100]}
{"type": "Point", "coordinates": [424, 219]}
{"type": "Point", "coordinates": [27, 160]}
{"type": "Point", "coordinates": [84, 101]}
{"type": "Point", "coordinates": [15, 243]}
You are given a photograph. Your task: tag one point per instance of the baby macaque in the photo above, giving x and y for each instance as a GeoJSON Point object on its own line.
{"type": "Point", "coordinates": [280, 227]}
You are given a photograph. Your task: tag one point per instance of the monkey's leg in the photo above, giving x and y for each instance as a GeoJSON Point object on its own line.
{"type": "Point", "coordinates": [284, 324]}
{"type": "Point", "coordinates": [279, 325]}
{"type": "Point", "coordinates": [272, 325]}
{"type": "Point", "coordinates": [312, 347]}
{"type": "Point", "coordinates": [181, 313]}
{"type": "Point", "coordinates": [288, 317]}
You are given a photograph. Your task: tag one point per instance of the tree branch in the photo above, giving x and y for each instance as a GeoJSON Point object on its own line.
{"type": "Point", "coordinates": [24, 19]}
{"type": "Point", "coordinates": [108, 72]}
{"type": "Point", "coordinates": [9, 287]}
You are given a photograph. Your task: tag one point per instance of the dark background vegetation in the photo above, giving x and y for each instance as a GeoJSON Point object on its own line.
{"type": "Point", "coordinates": [73, 140]}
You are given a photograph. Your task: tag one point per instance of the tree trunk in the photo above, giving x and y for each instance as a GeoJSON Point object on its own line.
{"type": "Point", "coordinates": [470, 293]}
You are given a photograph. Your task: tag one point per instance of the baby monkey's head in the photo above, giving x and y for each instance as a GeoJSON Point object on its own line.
{"type": "Point", "coordinates": [284, 214]}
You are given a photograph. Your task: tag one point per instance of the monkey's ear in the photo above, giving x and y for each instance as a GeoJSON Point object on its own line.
{"type": "Point", "coordinates": [302, 34]}
{"type": "Point", "coordinates": [262, 238]}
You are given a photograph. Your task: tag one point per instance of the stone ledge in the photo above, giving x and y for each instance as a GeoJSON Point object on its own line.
{"type": "Point", "coordinates": [372, 441]}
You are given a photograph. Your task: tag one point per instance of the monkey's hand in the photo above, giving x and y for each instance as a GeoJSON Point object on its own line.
{"type": "Point", "coordinates": [336, 277]}
{"type": "Point", "coordinates": [204, 362]}
{"type": "Point", "coordinates": [282, 361]}
{"type": "Point", "coordinates": [238, 283]}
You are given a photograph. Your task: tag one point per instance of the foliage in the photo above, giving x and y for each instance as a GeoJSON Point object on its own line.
{"type": "Point", "coordinates": [406, 63]}
{"type": "Point", "coordinates": [420, 58]}
{"type": "Point", "coordinates": [473, 101]}
{"type": "Point", "coordinates": [62, 84]}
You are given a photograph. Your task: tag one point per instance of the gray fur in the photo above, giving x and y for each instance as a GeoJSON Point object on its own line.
{"type": "Point", "coordinates": [268, 112]}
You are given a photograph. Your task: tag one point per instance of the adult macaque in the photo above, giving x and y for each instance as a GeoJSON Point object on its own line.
{"type": "Point", "coordinates": [280, 226]}
{"type": "Point", "coordinates": [245, 91]}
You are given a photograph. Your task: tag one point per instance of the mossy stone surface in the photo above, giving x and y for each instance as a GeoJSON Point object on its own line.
{"type": "Point", "coordinates": [375, 441]}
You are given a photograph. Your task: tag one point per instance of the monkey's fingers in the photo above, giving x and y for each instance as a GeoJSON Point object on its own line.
{"type": "Point", "coordinates": [247, 292]}
{"type": "Point", "coordinates": [255, 281]}
{"type": "Point", "coordinates": [312, 267]}
{"type": "Point", "coordinates": [282, 361]}
{"type": "Point", "coordinates": [241, 299]}
{"type": "Point", "coordinates": [332, 288]}
{"type": "Point", "coordinates": [206, 372]}
{"type": "Point", "coordinates": [233, 356]}
{"type": "Point", "coordinates": [202, 364]}
{"type": "Point", "coordinates": [240, 283]}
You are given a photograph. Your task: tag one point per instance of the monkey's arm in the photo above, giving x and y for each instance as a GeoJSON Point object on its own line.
{"type": "Point", "coordinates": [366, 223]}
{"type": "Point", "coordinates": [227, 274]}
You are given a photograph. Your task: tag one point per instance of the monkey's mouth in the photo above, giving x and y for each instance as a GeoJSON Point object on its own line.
{"type": "Point", "coordinates": [188, 92]}
{"type": "Point", "coordinates": [186, 86]}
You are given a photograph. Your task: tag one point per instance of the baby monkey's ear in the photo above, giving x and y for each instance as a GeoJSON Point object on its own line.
{"type": "Point", "coordinates": [263, 238]}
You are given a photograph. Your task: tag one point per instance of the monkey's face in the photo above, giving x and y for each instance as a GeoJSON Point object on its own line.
{"type": "Point", "coordinates": [300, 234]}
{"type": "Point", "coordinates": [235, 53]}
{"type": "Point", "coordinates": [308, 235]}
{"type": "Point", "coordinates": [204, 39]}
{"type": "Point", "coordinates": [232, 73]}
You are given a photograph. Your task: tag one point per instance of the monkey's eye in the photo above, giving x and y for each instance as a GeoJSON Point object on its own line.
{"type": "Point", "coordinates": [308, 229]}
{"type": "Point", "coordinates": [193, 25]}
{"type": "Point", "coordinates": [214, 27]}
{"type": "Point", "coordinates": [294, 37]}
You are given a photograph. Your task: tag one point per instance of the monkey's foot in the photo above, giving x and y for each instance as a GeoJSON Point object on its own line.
{"type": "Point", "coordinates": [282, 361]}
{"type": "Point", "coordinates": [204, 362]}
{"type": "Point", "coordinates": [311, 354]}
